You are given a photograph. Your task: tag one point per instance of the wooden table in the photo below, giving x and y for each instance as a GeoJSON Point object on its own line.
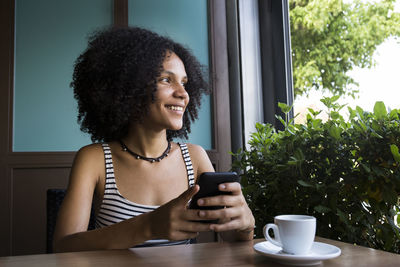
{"type": "Point", "coordinates": [205, 255]}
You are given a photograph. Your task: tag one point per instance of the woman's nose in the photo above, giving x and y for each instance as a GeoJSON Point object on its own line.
{"type": "Point", "coordinates": [180, 91]}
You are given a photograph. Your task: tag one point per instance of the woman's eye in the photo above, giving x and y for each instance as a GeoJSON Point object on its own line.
{"type": "Point", "coordinates": [165, 80]}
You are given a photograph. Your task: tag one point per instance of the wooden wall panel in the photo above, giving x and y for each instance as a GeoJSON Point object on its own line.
{"type": "Point", "coordinates": [29, 188]}
{"type": "Point", "coordinates": [6, 83]}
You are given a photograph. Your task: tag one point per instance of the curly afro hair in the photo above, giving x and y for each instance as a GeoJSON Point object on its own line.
{"type": "Point", "coordinates": [114, 77]}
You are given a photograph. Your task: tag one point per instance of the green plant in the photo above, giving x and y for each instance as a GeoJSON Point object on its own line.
{"type": "Point", "coordinates": [346, 173]}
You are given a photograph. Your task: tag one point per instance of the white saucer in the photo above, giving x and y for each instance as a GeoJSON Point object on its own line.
{"type": "Point", "coordinates": [319, 252]}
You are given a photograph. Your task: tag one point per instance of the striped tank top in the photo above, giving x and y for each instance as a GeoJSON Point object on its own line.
{"type": "Point", "coordinates": [115, 208]}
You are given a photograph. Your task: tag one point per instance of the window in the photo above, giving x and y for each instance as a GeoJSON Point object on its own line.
{"type": "Point", "coordinates": [378, 83]}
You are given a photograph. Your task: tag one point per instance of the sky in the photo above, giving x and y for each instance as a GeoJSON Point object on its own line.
{"type": "Point", "coordinates": [380, 83]}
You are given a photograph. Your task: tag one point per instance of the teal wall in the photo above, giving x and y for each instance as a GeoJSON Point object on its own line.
{"type": "Point", "coordinates": [50, 34]}
{"type": "Point", "coordinates": [184, 21]}
{"type": "Point", "coordinates": [49, 37]}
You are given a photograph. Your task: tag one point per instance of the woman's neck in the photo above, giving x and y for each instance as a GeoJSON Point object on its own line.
{"type": "Point", "coordinates": [146, 143]}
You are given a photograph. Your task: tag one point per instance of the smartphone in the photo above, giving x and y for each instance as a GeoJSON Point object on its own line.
{"type": "Point", "coordinates": [208, 182]}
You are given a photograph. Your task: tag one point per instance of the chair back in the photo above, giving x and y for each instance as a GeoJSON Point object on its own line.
{"type": "Point", "coordinates": [53, 203]}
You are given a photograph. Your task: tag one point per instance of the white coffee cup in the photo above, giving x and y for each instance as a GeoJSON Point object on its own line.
{"type": "Point", "coordinates": [293, 233]}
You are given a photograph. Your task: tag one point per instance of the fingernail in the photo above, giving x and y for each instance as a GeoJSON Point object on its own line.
{"type": "Point", "coordinates": [200, 202]}
{"type": "Point", "coordinates": [222, 186]}
{"type": "Point", "coordinates": [202, 213]}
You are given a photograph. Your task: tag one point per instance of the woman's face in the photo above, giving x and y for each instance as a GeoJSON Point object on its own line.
{"type": "Point", "coordinates": [171, 97]}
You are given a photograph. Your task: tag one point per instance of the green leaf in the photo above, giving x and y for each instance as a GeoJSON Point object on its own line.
{"type": "Point", "coordinates": [304, 183]}
{"type": "Point", "coordinates": [322, 209]}
{"type": "Point", "coordinates": [394, 114]}
{"type": "Point", "coordinates": [395, 152]}
{"type": "Point", "coordinates": [327, 102]}
{"type": "Point", "coordinates": [376, 126]}
{"type": "Point", "coordinates": [366, 168]}
{"type": "Point", "coordinates": [316, 123]}
{"type": "Point", "coordinates": [285, 108]}
{"type": "Point", "coordinates": [335, 115]}
{"type": "Point", "coordinates": [398, 219]}
{"type": "Point", "coordinates": [281, 119]}
{"type": "Point", "coordinates": [380, 110]}
{"type": "Point", "coordinates": [313, 112]}
{"type": "Point", "coordinates": [343, 217]}
{"type": "Point", "coordinates": [352, 113]}
{"type": "Point", "coordinates": [374, 134]}
{"type": "Point", "coordinates": [335, 98]}
{"type": "Point", "coordinates": [299, 154]}
{"type": "Point", "coordinates": [360, 111]}
{"type": "Point", "coordinates": [335, 131]}
{"type": "Point", "coordinates": [394, 226]}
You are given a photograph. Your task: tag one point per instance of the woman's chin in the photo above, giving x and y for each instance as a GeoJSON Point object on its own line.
{"type": "Point", "coordinates": [175, 127]}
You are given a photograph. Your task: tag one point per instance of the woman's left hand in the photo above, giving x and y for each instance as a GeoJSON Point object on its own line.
{"type": "Point", "coordinates": [235, 216]}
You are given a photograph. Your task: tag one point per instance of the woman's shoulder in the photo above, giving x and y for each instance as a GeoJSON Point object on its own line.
{"type": "Point", "coordinates": [91, 150]}
{"type": "Point", "coordinates": [199, 157]}
{"type": "Point", "coordinates": [88, 165]}
{"type": "Point", "coordinates": [90, 154]}
{"type": "Point", "coordinates": [195, 148]}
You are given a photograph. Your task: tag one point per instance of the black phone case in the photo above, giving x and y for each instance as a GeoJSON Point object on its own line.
{"type": "Point", "coordinates": [208, 182]}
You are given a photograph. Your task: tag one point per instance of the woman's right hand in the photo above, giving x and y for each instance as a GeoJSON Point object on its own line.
{"type": "Point", "coordinates": [175, 221]}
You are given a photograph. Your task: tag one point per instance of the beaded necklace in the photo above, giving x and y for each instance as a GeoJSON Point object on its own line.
{"type": "Point", "coordinates": [151, 160]}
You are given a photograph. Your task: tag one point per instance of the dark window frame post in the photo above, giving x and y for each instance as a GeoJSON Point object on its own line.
{"type": "Point", "coordinates": [275, 46]}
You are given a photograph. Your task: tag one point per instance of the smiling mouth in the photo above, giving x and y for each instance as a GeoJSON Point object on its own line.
{"type": "Point", "coordinates": [175, 108]}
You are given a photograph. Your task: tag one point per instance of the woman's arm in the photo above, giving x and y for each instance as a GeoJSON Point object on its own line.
{"type": "Point", "coordinates": [71, 230]}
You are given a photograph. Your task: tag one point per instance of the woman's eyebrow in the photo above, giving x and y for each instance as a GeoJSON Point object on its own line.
{"type": "Point", "coordinates": [171, 73]}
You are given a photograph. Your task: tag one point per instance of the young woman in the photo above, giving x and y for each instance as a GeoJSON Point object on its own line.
{"type": "Point", "coordinates": [136, 91]}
